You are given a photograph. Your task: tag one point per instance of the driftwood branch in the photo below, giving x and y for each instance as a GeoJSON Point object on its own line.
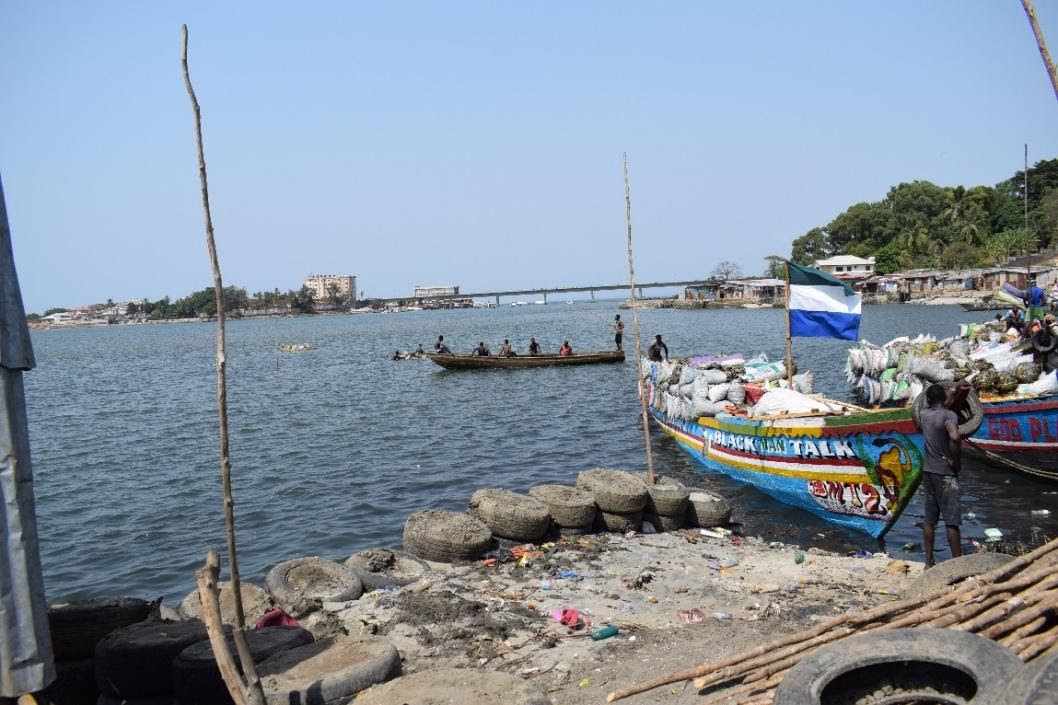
{"type": "Point", "coordinates": [250, 690]}
{"type": "Point", "coordinates": [208, 594]}
{"type": "Point", "coordinates": [1030, 11]}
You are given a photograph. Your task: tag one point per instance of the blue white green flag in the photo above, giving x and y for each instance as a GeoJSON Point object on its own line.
{"type": "Point", "coordinates": [821, 306]}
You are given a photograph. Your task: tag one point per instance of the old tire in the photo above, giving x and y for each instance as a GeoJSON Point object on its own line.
{"type": "Point", "coordinates": [664, 523]}
{"type": "Point", "coordinates": [136, 661]}
{"type": "Point", "coordinates": [510, 515]}
{"type": "Point", "coordinates": [1045, 341]}
{"type": "Point", "coordinates": [76, 627]}
{"type": "Point", "coordinates": [197, 679]}
{"type": "Point", "coordinates": [618, 523]}
{"type": "Point", "coordinates": [328, 672]}
{"type": "Point", "coordinates": [705, 508]}
{"type": "Point", "coordinates": [666, 497]}
{"type": "Point", "coordinates": [970, 418]}
{"type": "Point", "coordinates": [445, 537]}
{"type": "Point", "coordinates": [255, 603]}
{"type": "Point", "coordinates": [454, 685]}
{"type": "Point", "coordinates": [304, 583]}
{"type": "Point", "coordinates": [74, 684]}
{"type": "Point", "coordinates": [1037, 683]}
{"type": "Point", "coordinates": [955, 570]}
{"type": "Point", "coordinates": [961, 666]}
{"type": "Point", "coordinates": [380, 568]}
{"type": "Point", "coordinates": [568, 506]}
{"type": "Point", "coordinates": [614, 491]}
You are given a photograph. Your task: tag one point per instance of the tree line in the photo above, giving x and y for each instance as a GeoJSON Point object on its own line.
{"type": "Point", "coordinates": [920, 224]}
{"type": "Point", "coordinates": [203, 303]}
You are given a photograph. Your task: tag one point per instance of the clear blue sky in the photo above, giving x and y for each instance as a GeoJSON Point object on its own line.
{"type": "Point", "coordinates": [480, 144]}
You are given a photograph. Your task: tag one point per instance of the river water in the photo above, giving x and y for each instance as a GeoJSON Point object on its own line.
{"type": "Point", "coordinates": [333, 451]}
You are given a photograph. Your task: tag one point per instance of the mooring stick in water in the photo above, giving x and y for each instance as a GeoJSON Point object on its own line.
{"type": "Point", "coordinates": [635, 328]}
{"type": "Point", "coordinates": [256, 694]}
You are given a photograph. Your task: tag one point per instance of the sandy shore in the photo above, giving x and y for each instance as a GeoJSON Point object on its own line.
{"type": "Point", "coordinates": [679, 599]}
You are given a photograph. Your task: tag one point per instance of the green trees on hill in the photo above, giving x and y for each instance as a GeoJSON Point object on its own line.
{"type": "Point", "coordinates": [920, 224]}
{"type": "Point", "coordinates": [203, 303]}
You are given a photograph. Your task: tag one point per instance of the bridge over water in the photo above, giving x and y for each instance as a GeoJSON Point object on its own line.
{"type": "Point", "coordinates": [591, 289]}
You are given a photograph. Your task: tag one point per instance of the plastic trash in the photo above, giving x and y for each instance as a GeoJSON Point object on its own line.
{"type": "Point", "coordinates": [729, 562]}
{"type": "Point", "coordinates": [1040, 512]}
{"type": "Point", "coordinates": [799, 558]}
{"type": "Point", "coordinates": [993, 534]}
{"type": "Point", "coordinates": [911, 546]}
{"type": "Point", "coordinates": [720, 616]}
{"type": "Point", "coordinates": [691, 616]}
{"type": "Point", "coordinates": [605, 633]}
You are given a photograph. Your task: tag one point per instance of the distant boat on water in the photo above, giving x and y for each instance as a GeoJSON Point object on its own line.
{"type": "Point", "coordinates": [569, 301]}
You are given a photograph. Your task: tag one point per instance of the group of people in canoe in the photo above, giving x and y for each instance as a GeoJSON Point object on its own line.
{"type": "Point", "coordinates": [505, 350]}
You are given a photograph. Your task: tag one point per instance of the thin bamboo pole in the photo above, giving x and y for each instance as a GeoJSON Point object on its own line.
{"type": "Point", "coordinates": [789, 337]}
{"type": "Point", "coordinates": [635, 328]}
{"type": "Point", "coordinates": [1030, 11]}
{"type": "Point", "coordinates": [256, 694]}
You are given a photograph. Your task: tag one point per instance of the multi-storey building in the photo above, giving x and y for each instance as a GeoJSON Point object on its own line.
{"type": "Point", "coordinates": [321, 285]}
{"type": "Point", "coordinates": [427, 292]}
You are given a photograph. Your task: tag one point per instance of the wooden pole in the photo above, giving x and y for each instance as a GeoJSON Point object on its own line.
{"type": "Point", "coordinates": [1044, 54]}
{"type": "Point", "coordinates": [635, 328]}
{"type": "Point", "coordinates": [789, 338]}
{"type": "Point", "coordinates": [256, 694]}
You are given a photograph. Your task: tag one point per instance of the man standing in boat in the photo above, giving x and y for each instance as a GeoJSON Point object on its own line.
{"type": "Point", "coordinates": [534, 347]}
{"type": "Point", "coordinates": [1034, 299]}
{"type": "Point", "coordinates": [619, 329]}
{"type": "Point", "coordinates": [656, 349]}
{"type": "Point", "coordinates": [940, 481]}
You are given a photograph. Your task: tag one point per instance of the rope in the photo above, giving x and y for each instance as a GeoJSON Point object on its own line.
{"type": "Point", "coordinates": [1035, 472]}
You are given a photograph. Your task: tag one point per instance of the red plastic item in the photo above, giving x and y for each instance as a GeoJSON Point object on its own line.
{"type": "Point", "coordinates": [753, 394]}
{"type": "Point", "coordinates": [276, 618]}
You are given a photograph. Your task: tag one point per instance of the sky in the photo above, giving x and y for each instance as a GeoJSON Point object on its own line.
{"type": "Point", "coordinates": [480, 143]}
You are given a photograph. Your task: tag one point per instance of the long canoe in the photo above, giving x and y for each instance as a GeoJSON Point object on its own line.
{"type": "Point", "coordinates": [519, 362]}
{"type": "Point", "coordinates": [858, 470]}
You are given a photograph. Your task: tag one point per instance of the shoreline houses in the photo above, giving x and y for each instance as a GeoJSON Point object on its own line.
{"type": "Point", "coordinates": [911, 285]}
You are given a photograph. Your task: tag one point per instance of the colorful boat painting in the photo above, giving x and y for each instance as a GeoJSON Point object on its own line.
{"type": "Point", "coordinates": [858, 470]}
{"type": "Point", "coordinates": [1022, 427]}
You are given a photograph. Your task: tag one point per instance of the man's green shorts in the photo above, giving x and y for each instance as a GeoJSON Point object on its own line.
{"type": "Point", "coordinates": [1035, 313]}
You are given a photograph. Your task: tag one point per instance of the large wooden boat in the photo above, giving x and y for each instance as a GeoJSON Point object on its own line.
{"type": "Point", "coordinates": [857, 469]}
{"type": "Point", "coordinates": [519, 362]}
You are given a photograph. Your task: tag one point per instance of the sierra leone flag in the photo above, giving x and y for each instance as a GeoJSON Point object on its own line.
{"type": "Point", "coordinates": [821, 306]}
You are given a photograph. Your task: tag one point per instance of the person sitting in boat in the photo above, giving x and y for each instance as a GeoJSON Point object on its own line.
{"type": "Point", "coordinates": [1014, 320]}
{"type": "Point", "coordinates": [440, 348]}
{"type": "Point", "coordinates": [505, 349]}
{"type": "Point", "coordinates": [565, 350]}
{"type": "Point", "coordinates": [481, 350]}
{"type": "Point", "coordinates": [397, 356]}
{"type": "Point", "coordinates": [419, 352]}
{"type": "Point", "coordinates": [534, 347]}
{"type": "Point", "coordinates": [656, 350]}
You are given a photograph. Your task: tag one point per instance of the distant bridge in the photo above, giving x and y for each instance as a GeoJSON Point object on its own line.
{"type": "Point", "coordinates": [553, 290]}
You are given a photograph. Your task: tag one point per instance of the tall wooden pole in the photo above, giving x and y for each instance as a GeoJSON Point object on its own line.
{"type": "Point", "coordinates": [252, 691]}
{"type": "Point", "coordinates": [1025, 189]}
{"type": "Point", "coordinates": [789, 337]}
{"type": "Point", "coordinates": [1044, 54]}
{"type": "Point", "coordinates": [635, 328]}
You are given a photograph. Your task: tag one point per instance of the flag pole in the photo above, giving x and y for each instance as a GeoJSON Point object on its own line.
{"type": "Point", "coordinates": [789, 338]}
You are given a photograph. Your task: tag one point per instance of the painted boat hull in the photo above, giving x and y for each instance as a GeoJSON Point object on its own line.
{"type": "Point", "coordinates": [521, 362]}
{"type": "Point", "coordinates": [1026, 429]}
{"type": "Point", "coordinates": [855, 471]}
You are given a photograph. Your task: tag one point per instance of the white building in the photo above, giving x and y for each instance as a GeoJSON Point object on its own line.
{"type": "Point", "coordinates": [847, 266]}
{"type": "Point", "coordinates": [320, 284]}
{"type": "Point", "coordinates": [428, 292]}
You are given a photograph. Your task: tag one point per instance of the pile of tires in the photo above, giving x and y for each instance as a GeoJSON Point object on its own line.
{"type": "Point", "coordinates": [620, 497]}
{"type": "Point", "coordinates": [949, 573]}
{"type": "Point", "coordinates": [509, 515]}
{"type": "Point", "coordinates": [446, 537]}
{"type": "Point", "coordinates": [255, 603]}
{"type": "Point", "coordinates": [381, 568]}
{"type": "Point", "coordinates": [572, 509]}
{"type": "Point", "coordinates": [134, 663]}
{"type": "Point", "coordinates": [667, 500]}
{"type": "Point", "coordinates": [903, 666]}
{"type": "Point", "coordinates": [302, 585]}
{"type": "Point", "coordinates": [455, 685]}
{"type": "Point", "coordinates": [196, 677]}
{"type": "Point", "coordinates": [76, 629]}
{"type": "Point", "coordinates": [706, 508]}
{"type": "Point", "coordinates": [329, 670]}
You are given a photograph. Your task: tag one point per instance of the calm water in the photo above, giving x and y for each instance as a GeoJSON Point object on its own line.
{"type": "Point", "coordinates": [332, 452]}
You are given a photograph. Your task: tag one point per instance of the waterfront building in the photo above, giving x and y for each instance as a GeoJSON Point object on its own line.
{"type": "Point", "coordinates": [429, 292]}
{"type": "Point", "coordinates": [322, 284]}
{"type": "Point", "coordinates": [846, 267]}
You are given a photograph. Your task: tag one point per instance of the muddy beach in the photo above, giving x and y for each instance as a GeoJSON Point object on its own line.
{"type": "Point", "coordinates": [678, 599]}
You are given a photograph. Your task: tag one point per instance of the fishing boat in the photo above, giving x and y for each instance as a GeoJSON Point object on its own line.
{"type": "Point", "coordinates": [985, 305]}
{"type": "Point", "coordinates": [519, 362]}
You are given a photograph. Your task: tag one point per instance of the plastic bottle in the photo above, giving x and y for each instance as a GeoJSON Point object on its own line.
{"type": "Point", "coordinates": [605, 633]}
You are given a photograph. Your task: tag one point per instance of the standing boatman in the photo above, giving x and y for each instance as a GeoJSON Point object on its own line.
{"type": "Point", "coordinates": [940, 481]}
{"type": "Point", "coordinates": [1034, 299]}
{"type": "Point", "coordinates": [619, 329]}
